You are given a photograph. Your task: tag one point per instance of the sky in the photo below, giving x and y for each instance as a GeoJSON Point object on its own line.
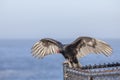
{"type": "Point", "coordinates": [33, 19]}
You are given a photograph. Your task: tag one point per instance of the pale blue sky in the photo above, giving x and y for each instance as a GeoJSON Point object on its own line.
{"type": "Point", "coordinates": [59, 18]}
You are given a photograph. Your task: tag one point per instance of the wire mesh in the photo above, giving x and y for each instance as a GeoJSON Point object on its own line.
{"type": "Point", "coordinates": [93, 72]}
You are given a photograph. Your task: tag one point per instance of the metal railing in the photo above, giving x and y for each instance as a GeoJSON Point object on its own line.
{"type": "Point", "coordinates": [93, 72]}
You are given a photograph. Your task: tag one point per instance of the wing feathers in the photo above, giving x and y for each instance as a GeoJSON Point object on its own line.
{"type": "Point", "coordinates": [83, 46]}
{"type": "Point", "coordinates": [45, 47]}
{"type": "Point", "coordinates": [87, 45]}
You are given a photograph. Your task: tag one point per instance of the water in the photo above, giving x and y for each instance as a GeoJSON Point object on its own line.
{"type": "Point", "coordinates": [17, 63]}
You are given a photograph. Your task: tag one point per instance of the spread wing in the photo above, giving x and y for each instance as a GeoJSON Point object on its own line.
{"type": "Point", "coordinates": [45, 47]}
{"type": "Point", "coordinates": [86, 45]}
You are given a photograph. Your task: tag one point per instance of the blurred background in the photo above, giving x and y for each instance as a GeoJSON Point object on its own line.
{"type": "Point", "coordinates": [59, 18]}
{"type": "Point", "coordinates": [23, 22]}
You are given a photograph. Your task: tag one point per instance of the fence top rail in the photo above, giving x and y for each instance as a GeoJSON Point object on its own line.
{"type": "Point", "coordinates": [117, 64]}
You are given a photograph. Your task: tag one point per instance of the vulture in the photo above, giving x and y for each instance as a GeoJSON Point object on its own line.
{"type": "Point", "coordinates": [77, 49]}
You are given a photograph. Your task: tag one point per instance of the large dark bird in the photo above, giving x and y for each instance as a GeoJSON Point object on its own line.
{"type": "Point", "coordinates": [71, 52]}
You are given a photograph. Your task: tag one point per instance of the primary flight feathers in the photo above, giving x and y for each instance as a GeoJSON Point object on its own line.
{"type": "Point", "coordinates": [45, 47]}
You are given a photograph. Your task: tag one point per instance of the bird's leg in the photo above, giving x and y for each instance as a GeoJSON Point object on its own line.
{"type": "Point", "coordinates": [67, 61]}
{"type": "Point", "coordinates": [70, 65]}
{"type": "Point", "coordinates": [77, 65]}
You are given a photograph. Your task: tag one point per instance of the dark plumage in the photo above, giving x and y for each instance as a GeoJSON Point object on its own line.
{"type": "Point", "coordinates": [71, 52]}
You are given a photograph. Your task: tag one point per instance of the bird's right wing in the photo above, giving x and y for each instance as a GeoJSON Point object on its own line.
{"type": "Point", "coordinates": [86, 45]}
{"type": "Point", "coordinates": [45, 47]}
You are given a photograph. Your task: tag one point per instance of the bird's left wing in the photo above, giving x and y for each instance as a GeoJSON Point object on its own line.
{"type": "Point", "coordinates": [45, 47]}
{"type": "Point", "coordinates": [86, 45]}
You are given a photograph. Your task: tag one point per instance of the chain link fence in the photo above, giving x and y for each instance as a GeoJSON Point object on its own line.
{"type": "Point", "coordinates": [93, 72]}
